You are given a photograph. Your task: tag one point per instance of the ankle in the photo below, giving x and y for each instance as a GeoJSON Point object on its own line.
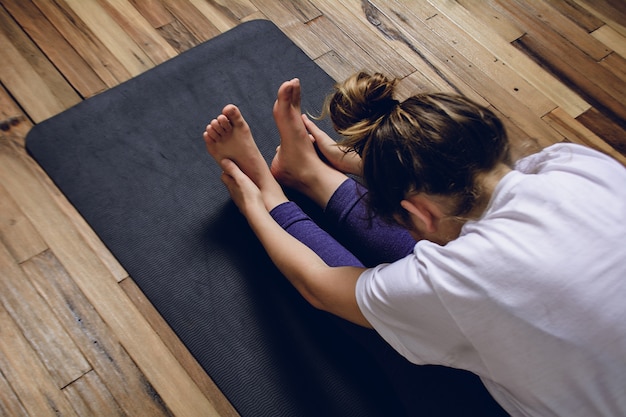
{"type": "Point", "coordinates": [273, 197]}
{"type": "Point", "coordinates": [319, 186]}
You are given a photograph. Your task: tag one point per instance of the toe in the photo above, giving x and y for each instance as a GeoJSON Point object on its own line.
{"type": "Point", "coordinates": [224, 123]}
{"type": "Point", "coordinates": [233, 114]}
{"type": "Point", "coordinates": [210, 135]}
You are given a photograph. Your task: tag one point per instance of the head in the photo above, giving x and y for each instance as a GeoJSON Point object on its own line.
{"type": "Point", "coordinates": [436, 146]}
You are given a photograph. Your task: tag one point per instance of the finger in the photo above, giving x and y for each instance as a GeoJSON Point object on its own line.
{"type": "Point", "coordinates": [312, 127]}
{"type": "Point", "coordinates": [236, 175]}
{"type": "Point", "coordinates": [230, 168]}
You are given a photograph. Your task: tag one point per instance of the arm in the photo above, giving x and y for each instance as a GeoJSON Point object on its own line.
{"type": "Point", "coordinates": [331, 289]}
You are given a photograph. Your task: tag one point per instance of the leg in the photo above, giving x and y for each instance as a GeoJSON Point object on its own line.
{"type": "Point", "coordinates": [291, 218]}
{"type": "Point", "coordinates": [228, 137]}
{"type": "Point", "coordinates": [371, 240]}
{"type": "Point", "coordinates": [296, 164]}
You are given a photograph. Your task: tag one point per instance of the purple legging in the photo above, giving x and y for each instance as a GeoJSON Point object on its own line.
{"type": "Point", "coordinates": [352, 239]}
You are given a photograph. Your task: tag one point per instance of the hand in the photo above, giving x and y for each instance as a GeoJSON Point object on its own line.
{"type": "Point", "coordinates": [336, 155]}
{"type": "Point", "coordinates": [245, 194]}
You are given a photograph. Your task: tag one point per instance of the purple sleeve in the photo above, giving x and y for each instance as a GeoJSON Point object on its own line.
{"type": "Point", "coordinates": [291, 218]}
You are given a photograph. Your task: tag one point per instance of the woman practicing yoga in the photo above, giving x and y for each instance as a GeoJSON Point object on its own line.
{"type": "Point", "coordinates": [454, 254]}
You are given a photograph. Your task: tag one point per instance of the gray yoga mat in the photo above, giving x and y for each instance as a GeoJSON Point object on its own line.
{"type": "Point", "coordinates": [133, 162]}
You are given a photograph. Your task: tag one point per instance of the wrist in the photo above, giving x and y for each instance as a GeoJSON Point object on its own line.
{"type": "Point", "coordinates": [272, 200]}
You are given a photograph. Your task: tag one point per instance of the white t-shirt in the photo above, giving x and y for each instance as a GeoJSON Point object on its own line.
{"type": "Point", "coordinates": [531, 297]}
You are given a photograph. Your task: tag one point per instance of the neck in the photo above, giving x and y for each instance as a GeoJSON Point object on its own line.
{"type": "Point", "coordinates": [487, 183]}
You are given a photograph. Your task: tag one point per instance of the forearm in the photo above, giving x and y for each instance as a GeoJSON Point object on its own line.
{"type": "Point", "coordinates": [328, 288]}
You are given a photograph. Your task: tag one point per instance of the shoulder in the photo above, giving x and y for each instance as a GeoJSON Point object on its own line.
{"type": "Point", "coordinates": [568, 156]}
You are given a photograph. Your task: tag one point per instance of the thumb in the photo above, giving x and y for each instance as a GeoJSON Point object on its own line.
{"type": "Point", "coordinates": [231, 171]}
{"type": "Point", "coordinates": [233, 176]}
{"type": "Point", "coordinates": [229, 167]}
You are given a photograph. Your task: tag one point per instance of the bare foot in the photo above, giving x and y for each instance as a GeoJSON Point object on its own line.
{"type": "Point", "coordinates": [296, 163]}
{"type": "Point", "coordinates": [335, 154]}
{"type": "Point", "coordinates": [228, 136]}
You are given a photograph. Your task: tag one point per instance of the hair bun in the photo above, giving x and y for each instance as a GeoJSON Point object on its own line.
{"type": "Point", "coordinates": [362, 98]}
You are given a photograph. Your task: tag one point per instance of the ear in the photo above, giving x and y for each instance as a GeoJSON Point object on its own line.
{"type": "Point", "coordinates": [423, 210]}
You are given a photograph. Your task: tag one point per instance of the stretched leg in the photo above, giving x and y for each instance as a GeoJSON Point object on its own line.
{"type": "Point", "coordinates": [228, 136]}
{"type": "Point", "coordinates": [297, 165]}
{"type": "Point", "coordinates": [370, 239]}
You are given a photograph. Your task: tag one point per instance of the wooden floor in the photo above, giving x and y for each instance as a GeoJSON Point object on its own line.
{"type": "Point", "coordinates": [77, 337]}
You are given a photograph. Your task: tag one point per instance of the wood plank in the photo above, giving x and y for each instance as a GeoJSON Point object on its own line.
{"type": "Point", "coordinates": [446, 57]}
{"type": "Point", "coordinates": [612, 39]}
{"type": "Point", "coordinates": [118, 372]}
{"type": "Point", "coordinates": [400, 23]}
{"type": "Point", "coordinates": [10, 113]}
{"type": "Point", "coordinates": [178, 36]}
{"type": "Point", "coordinates": [599, 86]}
{"type": "Point", "coordinates": [73, 67]}
{"type": "Point", "coordinates": [576, 132]}
{"type": "Point", "coordinates": [577, 14]}
{"type": "Point", "coordinates": [539, 11]}
{"type": "Point", "coordinates": [496, 22]}
{"type": "Point", "coordinates": [200, 377]}
{"type": "Point", "coordinates": [27, 376]}
{"type": "Point", "coordinates": [335, 66]}
{"type": "Point", "coordinates": [337, 41]}
{"type": "Point", "coordinates": [612, 12]}
{"type": "Point", "coordinates": [84, 41]}
{"type": "Point", "coordinates": [46, 335]}
{"type": "Point", "coordinates": [16, 232]}
{"type": "Point", "coordinates": [391, 23]}
{"type": "Point", "coordinates": [366, 38]}
{"type": "Point", "coordinates": [302, 35]}
{"type": "Point", "coordinates": [90, 397]}
{"type": "Point", "coordinates": [153, 358]}
{"type": "Point", "coordinates": [414, 84]}
{"type": "Point", "coordinates": [554, 89]}
{"type": "Point", "coordinates": [258, 15]}
{"type": "Point", "coordinates": [29, 76]}
{"type": "Point", "coordinates": [10, 404]}
{"type": "Point", "coordinates": [497, 71]}
{"type": "Point", "coordinates": [154, 12]}
{"type": "Point", "coordinates": [197, 24]}
{"type": "Point", "coordinates": [139, 30]}
{"type": "Point", "coordinates": [303, 9]}
{"type": "Point", "coordinates": [238, 8]}
{"type": "Point", "coordinates": [605, 127]}
{"type": "Point", "coordinates": [222, 18]}
{"type": "Point", "coordinates": [616, 64]}
{"type": "Point", "coordinates": [114, 38]}
{"type": "Point", "coordinates": [15, 132]}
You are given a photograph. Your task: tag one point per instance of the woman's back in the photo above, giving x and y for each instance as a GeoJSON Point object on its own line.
{"type": "Point", "coordinates": [530, 296]}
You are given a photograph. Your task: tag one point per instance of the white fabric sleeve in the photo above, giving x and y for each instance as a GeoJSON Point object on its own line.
{"type": "Point", "coordinates": [405, 310]}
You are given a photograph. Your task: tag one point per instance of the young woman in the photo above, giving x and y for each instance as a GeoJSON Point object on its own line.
{"type": "Point", "coordinates": [454, 254]}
